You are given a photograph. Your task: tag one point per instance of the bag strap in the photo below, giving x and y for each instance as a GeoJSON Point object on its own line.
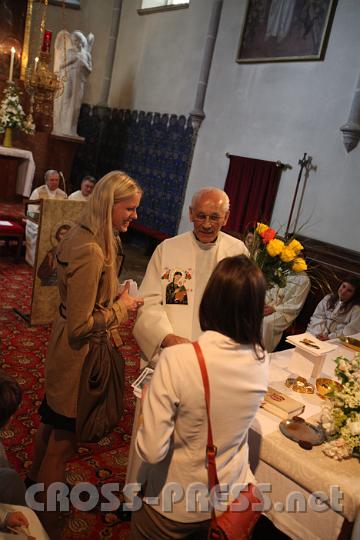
{"type": "Point", "coordinates": [211, 449]}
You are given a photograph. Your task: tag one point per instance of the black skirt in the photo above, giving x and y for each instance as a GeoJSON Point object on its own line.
{"type": "Point", "coordinates": [54, 419]}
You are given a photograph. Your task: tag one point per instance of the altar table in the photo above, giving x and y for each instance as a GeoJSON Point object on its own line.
{"type": "Point", "coordinates": [25, 170]}
{"type": "Point", "coordinates": [290, 468]}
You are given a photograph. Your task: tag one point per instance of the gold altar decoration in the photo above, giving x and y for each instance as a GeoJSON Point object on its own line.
{"type": "Point", "coordinates": [26, 42]}
{"type": "Point", "coordinates": [41, 83]}
{"type": "Point", "coordinates": [299, 384]}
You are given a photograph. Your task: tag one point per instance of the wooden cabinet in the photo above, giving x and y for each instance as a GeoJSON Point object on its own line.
{"type": "Point", "coordinates": [8, 176]}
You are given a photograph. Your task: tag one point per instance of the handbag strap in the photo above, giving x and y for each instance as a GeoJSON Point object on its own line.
{"type": "Point", "coordinates": [211, 449]}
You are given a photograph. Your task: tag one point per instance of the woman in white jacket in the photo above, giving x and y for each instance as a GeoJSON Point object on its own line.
{"type": "Point", "coordinates": [172, 440]}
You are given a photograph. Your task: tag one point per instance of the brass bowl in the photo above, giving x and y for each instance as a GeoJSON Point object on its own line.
{"type": "Point", "coordinates": [350, 342]}
{"type": "Point", "coordinates": [300, 385]}
{"type": "Point", "coordinates": [325, 386]}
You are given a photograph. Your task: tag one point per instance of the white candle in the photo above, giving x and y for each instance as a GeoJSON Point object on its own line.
{"type": "Point", "coordinates": [36, 63]}
{"type": "Point", "coordinates": [11, 64]}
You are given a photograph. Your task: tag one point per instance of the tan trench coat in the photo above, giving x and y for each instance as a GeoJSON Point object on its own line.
{"type": "Point", "coordinates": [80, 270]}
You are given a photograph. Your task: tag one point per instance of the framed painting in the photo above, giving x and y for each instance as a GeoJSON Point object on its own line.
{"type": "Point", "coordinates": [15, 26]}
{"type": "Point", "coordinates": [57, 217]}
{"type": "Point", "coordinates": [74, 4]}
{"type": "Point", "coordinates": [285, 30]}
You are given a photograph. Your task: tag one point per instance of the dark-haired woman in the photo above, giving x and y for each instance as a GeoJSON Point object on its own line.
{"type": "Point", "coordinates": [172, 439]}
{"type": "Point", "coordinates": [338, 314]}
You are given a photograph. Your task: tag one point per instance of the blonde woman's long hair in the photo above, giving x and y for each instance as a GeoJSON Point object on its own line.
{"type": "Point", "coordinates": [113, 187]}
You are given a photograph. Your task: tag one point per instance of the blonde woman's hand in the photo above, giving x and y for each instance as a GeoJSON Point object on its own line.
{"type": "Point", "coordinates": [132, 303]}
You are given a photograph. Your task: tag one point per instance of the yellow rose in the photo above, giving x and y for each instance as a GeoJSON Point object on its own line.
{"type": "Point", "coordinates": [275, 247]}
{"type": "Point", "coordinates": [287, 254]}
{"type": "Point", "coordinates": [299, 265]}
{"type": "Point", "coordinates": [295, 246]}
{"type": "Point", "coordinates": [261, 228]}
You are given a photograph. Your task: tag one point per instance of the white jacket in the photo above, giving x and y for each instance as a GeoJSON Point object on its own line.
{"type": "Point", "coordinates": [173, 437]}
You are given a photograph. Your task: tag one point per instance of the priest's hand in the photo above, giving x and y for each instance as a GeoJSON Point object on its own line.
{"type": "Point", "coordinates": [173, 339]}
{"type": "Point", "coordinates": [268, 310]}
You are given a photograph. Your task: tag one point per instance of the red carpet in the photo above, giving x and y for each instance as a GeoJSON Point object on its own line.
{"type": "Point", "coordinates": [23, 349]}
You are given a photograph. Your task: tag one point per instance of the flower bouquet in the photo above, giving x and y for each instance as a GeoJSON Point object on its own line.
{"type": "Point", "coordinates": [11, 112]}
{"type": "Point", "coordinates": [340, 416]}
{"type": "Point", "coordinates": [277, 258]}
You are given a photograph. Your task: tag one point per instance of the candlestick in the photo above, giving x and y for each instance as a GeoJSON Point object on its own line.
{"type": "Point", "coordinates": [36, 61]}
{"type": "Point", "coordinates": [46, 41]}
{"type": "Point", "coordinates": [11, 64]}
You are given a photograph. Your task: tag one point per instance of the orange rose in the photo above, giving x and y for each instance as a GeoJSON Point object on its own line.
{"type": "Point", "coordinates": [268, 235]}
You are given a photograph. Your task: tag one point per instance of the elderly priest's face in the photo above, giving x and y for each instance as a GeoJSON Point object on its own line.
{"type": "Point", "coordinates": [52, 181]}
{"type": "Point", "coordinates": [208, 216]}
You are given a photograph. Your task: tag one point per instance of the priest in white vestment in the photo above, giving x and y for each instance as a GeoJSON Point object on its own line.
{"type": "Point", "coordinates": [49, 190]}
{"type": "Point", "coordinates": [193, 255]}
{"type": "Point", "coordinates": [282, 306]}
{"type": "Point", "coordinates": [85, 191]}
{"type": "Point", "coordinates": [175, 280]}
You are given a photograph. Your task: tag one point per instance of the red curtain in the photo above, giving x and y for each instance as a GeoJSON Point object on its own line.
{"type": "Point", "coordinates": [252, 185]}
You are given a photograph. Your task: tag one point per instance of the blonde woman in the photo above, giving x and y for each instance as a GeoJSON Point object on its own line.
{"type": "Point", "coordinates": [89, 259]}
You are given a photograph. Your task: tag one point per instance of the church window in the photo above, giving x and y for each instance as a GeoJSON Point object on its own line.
{"type": "Point", "coordinates": [149, 6]}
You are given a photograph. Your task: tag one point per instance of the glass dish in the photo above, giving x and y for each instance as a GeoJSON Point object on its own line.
{"type": "Point", "coordinates": [300, 431]}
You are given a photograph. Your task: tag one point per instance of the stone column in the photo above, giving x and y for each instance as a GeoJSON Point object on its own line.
{"type": "Point", "coordinates": [110, 53]}
{"type": "Point", "coordinates": [197, 114]}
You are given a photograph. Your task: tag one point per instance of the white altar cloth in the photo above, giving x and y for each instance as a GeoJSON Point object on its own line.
{"type": "Point", "coordinates": [289, 468]}
{"type": "Point", "coordinates": [26, 168]}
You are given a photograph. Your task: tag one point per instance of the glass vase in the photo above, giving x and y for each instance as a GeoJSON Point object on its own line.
{"type": "Point", "coordinates": [7, 142]}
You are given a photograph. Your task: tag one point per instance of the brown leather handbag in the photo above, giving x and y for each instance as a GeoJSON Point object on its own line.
{"type": "Point", "coordinates": [101, 390]}
{"type": "Point", "coordinates": [233, 524]}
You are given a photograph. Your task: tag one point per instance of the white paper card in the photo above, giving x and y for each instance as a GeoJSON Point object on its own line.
{"type": "Point", "coordinates": [5, 224]}
{"type": "Point", "coordinates": [133, 289]}
{"type": "Point", "coordinates": [305, 364]}
{"type": "Point", "coordinates": [143, 379]}
{"type": "Point", "coordinates": [310, 343]}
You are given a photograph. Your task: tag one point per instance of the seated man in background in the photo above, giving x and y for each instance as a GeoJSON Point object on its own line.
{"type": "Point", "coordinates": [49, 190]}
{"type": "Point", "coordinates": [282, 306]}
{"type": "Point", "coordinates": [86, 188]}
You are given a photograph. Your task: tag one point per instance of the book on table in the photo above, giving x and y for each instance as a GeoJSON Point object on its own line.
{"type": "Point", "coordinates": [281, 405]}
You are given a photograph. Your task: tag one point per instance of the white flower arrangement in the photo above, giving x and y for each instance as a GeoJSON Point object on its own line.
{"type": "Point", "coordinates": [11, 112]}
{"type": "Point", "coordinates": [340, 417]}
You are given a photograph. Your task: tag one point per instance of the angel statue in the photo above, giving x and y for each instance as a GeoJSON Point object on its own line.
{"type": "Point", "coordinates": [73, 65]}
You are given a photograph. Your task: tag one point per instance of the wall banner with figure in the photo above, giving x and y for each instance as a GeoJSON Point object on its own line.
{"type": "Point", "coordinates": [56, 218]}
